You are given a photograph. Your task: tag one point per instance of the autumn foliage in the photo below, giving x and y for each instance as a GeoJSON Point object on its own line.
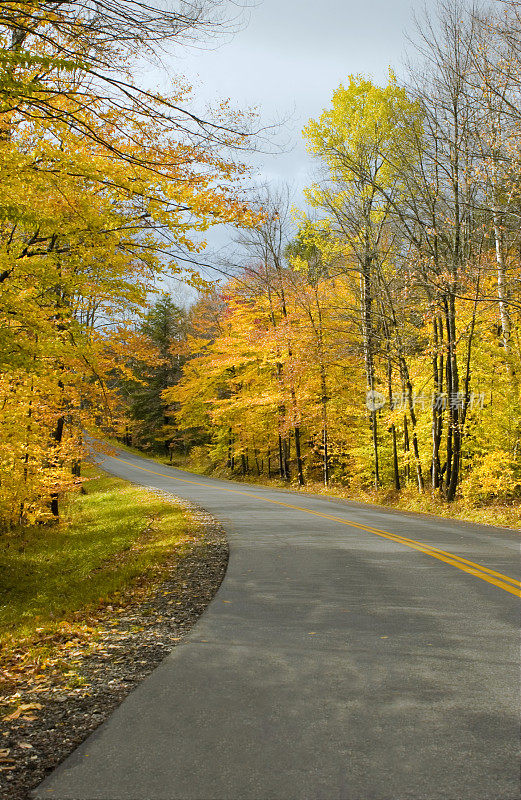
{"type": "Point", "coordinates": [375, 339]}
{"type": "Point", "coordinates": [369, 339]}
{"type": "Point", "coordinates": [104, 186]}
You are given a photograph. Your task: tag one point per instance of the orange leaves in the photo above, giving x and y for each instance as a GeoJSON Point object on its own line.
{"type": "Point", "coordinates": [263, 372]}
{"type": "Point", "coordinates": [89, 225]}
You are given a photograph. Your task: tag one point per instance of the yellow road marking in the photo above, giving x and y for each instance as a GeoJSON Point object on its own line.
{"type": "Point", "coordinates": [504, 582]}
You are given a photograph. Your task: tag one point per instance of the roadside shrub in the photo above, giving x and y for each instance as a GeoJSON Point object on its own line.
{"type": "Point", "coordinates": [495, 477]}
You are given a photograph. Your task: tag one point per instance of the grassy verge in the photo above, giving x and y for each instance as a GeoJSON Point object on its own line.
{"type": "Point", "coordinates": [500, 514]}
{"type": "Point", "coordinates": [114, 543]}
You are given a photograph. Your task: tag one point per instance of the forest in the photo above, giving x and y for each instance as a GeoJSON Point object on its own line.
{"type": "Point", "coordinates": [106, 185]}
{"type": "Point", "coordinates": [366, 337]}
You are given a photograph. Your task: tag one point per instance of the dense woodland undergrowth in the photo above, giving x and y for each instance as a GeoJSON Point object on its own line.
{"type": "Point", "coordinates": [369, 341]}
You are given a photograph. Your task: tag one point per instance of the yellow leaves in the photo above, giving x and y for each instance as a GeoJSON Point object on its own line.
{"type": "Point", "coordinates": [262, 373]}
{"type": "Point", "coordinates": [81, 243]}
{"type": "Point", "coordinates": [493, 477]}
{"type": "Point", "coordinates": [22, 710]}
{"type": "Point", "coordinates": [367, 136]}
{"type": "Point", "coordinates": [96, 195]}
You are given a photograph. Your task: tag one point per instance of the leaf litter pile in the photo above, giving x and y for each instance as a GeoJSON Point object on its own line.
{"type": "Point", "coordinates": [49, 704]}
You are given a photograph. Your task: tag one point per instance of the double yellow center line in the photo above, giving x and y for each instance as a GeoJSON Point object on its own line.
{"type": "Point", "coordinates": [489, 575]}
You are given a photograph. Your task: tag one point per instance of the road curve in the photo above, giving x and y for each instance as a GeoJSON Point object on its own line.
{"type": "Point", "coordinates": [351, 653]}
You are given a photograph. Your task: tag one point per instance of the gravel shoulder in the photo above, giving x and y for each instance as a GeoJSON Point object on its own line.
{"type": "Point", "coordinates": [134, 639]}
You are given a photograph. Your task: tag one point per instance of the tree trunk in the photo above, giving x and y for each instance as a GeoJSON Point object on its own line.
{"type": "Point", "coordinates": [300, 471]}
{"type": "Point", "coordinates": [282, 463]}
{"type": "Point", "coordinates": [504, 313]}
{"type": "Point", "coordinates": [287, 456]}
{"type": "Point", "coordinates": [57, 436]}
{"type": "Point", "coordinates": [454, 428]}
{"type": "Point", "coordinates": [367, 336]}
{"type": "Point", "coordinates": [438, 402]}
{"type": "Point", "coordinates": [412, 414]}
{"type": "Point", "coordinates": [324, 401]}
{"type": "Point", "coordinates": [396, 468]}
{"type": "Point", "coordinates": [406, 448]}
{"type": "Point", "coordinates": [230, 450]}
{"type": "Point", "coordinates": [325, 457]}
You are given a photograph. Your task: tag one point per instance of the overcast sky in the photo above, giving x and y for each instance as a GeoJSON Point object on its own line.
{"type": "Point", "coordinates": [292, 54]}
{"type": "Point", "coordinates": [287, 59]}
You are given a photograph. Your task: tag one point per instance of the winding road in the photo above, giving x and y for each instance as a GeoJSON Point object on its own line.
{"type": "Point", "coordinates": [351, 653]}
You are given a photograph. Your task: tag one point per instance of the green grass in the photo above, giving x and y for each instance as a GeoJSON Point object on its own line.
{"type": "Point", "coordinates": [111, 539]}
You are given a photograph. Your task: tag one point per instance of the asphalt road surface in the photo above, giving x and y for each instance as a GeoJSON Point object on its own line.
{"type": "Point", "coordinates": [343, 658]}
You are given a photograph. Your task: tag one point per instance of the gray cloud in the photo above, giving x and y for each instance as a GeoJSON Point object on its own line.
{"type": "Point", "coordinates": [288, 60]}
